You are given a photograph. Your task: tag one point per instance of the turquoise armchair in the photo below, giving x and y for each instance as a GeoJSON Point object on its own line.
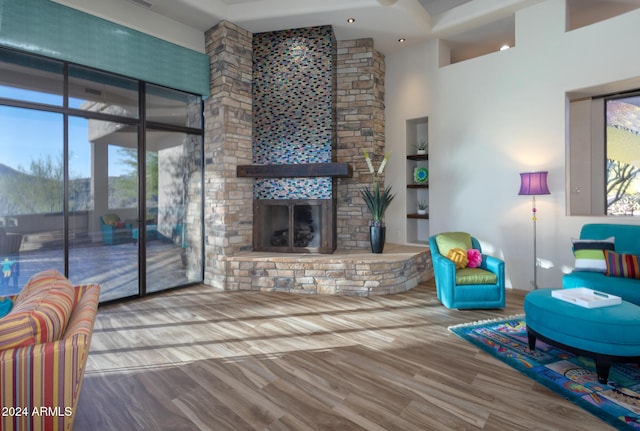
{"type": "Point", "coordinates": [481, 287]}
{"type": "Point", "coordinates": [115, 231]}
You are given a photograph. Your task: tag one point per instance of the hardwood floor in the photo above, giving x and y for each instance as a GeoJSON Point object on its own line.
{"type": "Point", "coordinates": [201, 359]}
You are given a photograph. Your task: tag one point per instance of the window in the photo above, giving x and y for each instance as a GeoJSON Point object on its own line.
{"type": "Point", "coordinates": [623, 155]}
{"type": "Point", "coordinates": [603, 151]}
{"type": "Point", "coordinates": [78, 152]}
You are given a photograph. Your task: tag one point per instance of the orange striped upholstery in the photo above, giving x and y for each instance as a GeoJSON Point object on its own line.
{"type": "Point", "coordinates": [43, 380]}
{"type": "Point", "coordinates": [40, 313]}
{"type": "Point", "coordinates": [43, 280]}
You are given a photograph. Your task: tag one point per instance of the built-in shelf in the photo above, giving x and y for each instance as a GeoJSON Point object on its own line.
{"type": "Point", "coordinates": [417, 225]}
{"type": "Point", "coordinates": [418, 157]}
{"type": "Point", "coordinates": [338, 170]}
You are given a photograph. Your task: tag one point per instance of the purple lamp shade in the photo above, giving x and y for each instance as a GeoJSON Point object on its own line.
{"type": "Point", "coordinates": [534, 183]}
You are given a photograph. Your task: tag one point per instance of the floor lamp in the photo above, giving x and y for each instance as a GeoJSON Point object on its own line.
{"type": "Point", "coordinates": [532, 184]}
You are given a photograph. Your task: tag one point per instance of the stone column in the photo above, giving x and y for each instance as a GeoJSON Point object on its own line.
{"type": "Point", "coordinates": [228, 206]}
{"type": "Point", "coordinates": [360, 125]}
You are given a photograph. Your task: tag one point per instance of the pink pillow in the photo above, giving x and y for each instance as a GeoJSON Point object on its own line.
{"type": "Point", "coordinates": [474, 257]}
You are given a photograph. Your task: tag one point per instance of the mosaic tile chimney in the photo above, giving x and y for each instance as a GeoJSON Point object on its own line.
{"type": "Point", "coordinates": [294, 136]}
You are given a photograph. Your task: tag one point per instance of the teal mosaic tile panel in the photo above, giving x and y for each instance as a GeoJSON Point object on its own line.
{"type": "Point", "coordinates": [294, 91]}
{"type": "Point", "coordinates": [293, 188]}
{"type": "Point", "coordinates": [53, 30]}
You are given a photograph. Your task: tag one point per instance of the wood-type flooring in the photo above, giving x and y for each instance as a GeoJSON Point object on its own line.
{"type": "Point", "coordinates": [202, 359]}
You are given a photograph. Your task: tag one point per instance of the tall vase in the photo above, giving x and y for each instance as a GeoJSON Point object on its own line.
{"type": "Point", "coordinates": [376, 237]}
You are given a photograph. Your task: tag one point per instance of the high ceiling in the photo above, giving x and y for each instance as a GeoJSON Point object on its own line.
{"type": "Point", "coordinates": [386, 21]}
{"type": "Point", "coordinates": [436, 7]}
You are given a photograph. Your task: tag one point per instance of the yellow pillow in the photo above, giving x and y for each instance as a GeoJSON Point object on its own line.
{"type": "Point", "coordinates": [459, 257]}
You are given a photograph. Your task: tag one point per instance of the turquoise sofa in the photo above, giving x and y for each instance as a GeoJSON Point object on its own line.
{"type": "Point", "coordinates": [627, 240]}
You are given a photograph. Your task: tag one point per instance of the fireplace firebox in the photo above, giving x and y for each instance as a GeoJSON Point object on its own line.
{"type": "Point", "coordinates": [294, 225]}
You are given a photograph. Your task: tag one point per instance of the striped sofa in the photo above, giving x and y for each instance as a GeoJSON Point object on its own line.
{"type": "Point", "coordinates": [44, 343]}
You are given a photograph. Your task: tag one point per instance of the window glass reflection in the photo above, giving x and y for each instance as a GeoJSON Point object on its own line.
{"type": "Point", "coordinates": [29, 78]}
{"type": "Point", "coordinates": [31, 190]}
{"type": "Point", "coordinates": [102, 92]}
{"type": "Point", "coordinates": [173, 107]}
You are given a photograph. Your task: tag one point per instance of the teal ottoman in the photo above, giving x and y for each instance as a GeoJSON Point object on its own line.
{"type": "Point", "coordinates": [606, 334]}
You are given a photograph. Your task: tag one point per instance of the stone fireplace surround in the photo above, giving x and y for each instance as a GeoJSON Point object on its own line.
{"type": "Point", "coordinates": [294, 134]}
{"type": "Point", "coordinates": [230, 262]}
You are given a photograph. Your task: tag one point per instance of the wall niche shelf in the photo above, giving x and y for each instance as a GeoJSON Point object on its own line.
{"type": "Point", "coordinates": [417, 225]}
{"type": "Point", "coordinates": [418, 157]}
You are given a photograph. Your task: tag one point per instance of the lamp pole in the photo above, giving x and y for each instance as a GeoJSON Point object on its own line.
{"type": "Point", "coordinates": [535, 250]}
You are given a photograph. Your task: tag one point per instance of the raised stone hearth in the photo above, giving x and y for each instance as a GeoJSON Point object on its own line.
{"type": "Point", "coordinates": [345, 272]}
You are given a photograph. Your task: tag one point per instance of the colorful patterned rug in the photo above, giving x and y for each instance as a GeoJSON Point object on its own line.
{"type": "Point", "coordinates": [571, 376]}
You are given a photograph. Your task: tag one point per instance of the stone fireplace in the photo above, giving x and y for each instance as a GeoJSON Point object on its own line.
{"type": "Point", "coordinates": [294, 141]}
{"type": "Point", "coordinates": [230, 198]}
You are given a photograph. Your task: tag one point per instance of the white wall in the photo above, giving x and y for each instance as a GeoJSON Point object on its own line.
{"type": "Point", "coordinates": [408, 94]}
{"type": "Point", "coordinates": [495, 116]}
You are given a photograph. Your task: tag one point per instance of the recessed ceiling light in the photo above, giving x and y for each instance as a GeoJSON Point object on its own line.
{"type": "Point", "coordinates": [504, 47]}
{"type": "Point", "coordinates": [402, 39]}
{"type": "Point", "coordinates": [351, 20]}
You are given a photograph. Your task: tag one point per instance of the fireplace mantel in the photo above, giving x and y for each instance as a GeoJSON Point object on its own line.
{"type": "Point", "coordinates": [338, 170]}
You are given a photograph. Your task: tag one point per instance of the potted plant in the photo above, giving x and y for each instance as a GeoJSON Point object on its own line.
{"type": "Point", "coordinates": [421, 147]}
{"type": "Point", "coordinates": [422, 207]}
{"type": "Point", "coordinates": [377, 201]}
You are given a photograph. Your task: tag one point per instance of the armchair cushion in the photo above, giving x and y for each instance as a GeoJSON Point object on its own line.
{"type": "Point", "coordinates": [448, 240]}
{"type": "Point", "coordinates": [475, 276]}
{"type": "Point", "coordinates": [41, 312]}
{"type": "Point", "coordinates": [111, 219]}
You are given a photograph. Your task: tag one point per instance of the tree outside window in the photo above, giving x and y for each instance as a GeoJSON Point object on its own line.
{"type": "Point", "coordinates": [623, 156]}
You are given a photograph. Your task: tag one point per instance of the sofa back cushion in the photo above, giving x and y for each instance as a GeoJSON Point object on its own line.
{"type": "Point", "coordinates": [627, 237]}
{"type": "Point", "coordinates": [40, 313]}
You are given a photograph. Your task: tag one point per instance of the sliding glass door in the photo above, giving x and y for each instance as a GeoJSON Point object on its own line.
{"type": "Point", "coordinates": [100, 178]}
{"type": "Point", "coordinates": [173, 245]}
{"type": "Point", "coordinates": [103, 206]}
{"type": "Point", "coordinates": [31, 191]}
{"type": "Point", "coordinates": [173, 171]}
